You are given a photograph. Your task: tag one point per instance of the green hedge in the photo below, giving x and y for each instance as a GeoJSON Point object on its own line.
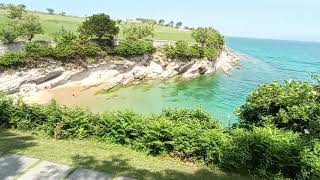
{"type": "Point", "coordinates": [128, 48]}
{"type": "Point", "coordinates": [189, 134]}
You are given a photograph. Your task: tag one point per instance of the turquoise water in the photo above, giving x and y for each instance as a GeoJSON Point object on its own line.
{"type": "Point", "coordinates": [220, 94]}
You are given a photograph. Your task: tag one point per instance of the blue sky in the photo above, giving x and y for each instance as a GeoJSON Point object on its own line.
{"type": "Point", "coordinates": [277, 19]}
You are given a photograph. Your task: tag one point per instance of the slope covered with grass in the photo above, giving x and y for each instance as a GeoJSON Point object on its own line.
{"type": "Point", "coordinates": [53, 23]}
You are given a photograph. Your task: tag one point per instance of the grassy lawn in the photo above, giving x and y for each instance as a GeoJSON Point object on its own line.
{"type": "Point", "coordinates": [110, 158]}
{"type": "Point", "coordinates": [53, 23]}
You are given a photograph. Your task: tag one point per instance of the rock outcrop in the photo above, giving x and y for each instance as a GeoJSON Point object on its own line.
{"type": "Point", "coordinates": [111, 72]}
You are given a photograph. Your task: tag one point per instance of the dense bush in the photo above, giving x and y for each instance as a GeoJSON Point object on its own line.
{"type": "Point", "coordinates": [36, 50]}
{"type": "Point", "coordinates": [99, 26]}
{"type": "Point", "coordinates": [293, 105]}
{"type": "Point", "coordinates": [9, 32]}
{"type": "Point", "coordinates": [181, 50]}
{"type": "Point", "coordinates": [266, 152]}
{"type": "Point", "coordinates": [311, 161]}
{"type": "Point", "coordinates": [138, 31]}
{"type": "Point", "coordinates": [129, 47]}
{"type": "Point", "coordinates": [12, 59]}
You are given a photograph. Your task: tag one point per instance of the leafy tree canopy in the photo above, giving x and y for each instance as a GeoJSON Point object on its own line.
{"type": "Point", "coordinates": [10, 32]}
{"type": "Point", "coordinates": [208, 36]}
{"type": "Point", "coordinates": [50, 10]}
{"type": "Point", "coordinates": [179, 24]}
{"type": "Point", "coordinates": [99, 26]}
{"type": "Point", "coordinates": [30, 26]}
{"type": "Point", "coordinates": [16, 12]}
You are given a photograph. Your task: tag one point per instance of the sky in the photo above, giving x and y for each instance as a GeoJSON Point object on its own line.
{"type": "Point", "coordinates": [272, 19]}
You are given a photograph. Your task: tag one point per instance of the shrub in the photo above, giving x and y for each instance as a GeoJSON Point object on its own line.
{"type": "Point", "coordinates": [65, 37]}
{"type": "Point", "coordinates": [9, 32]}
{"type": "Point", "coordinates": [293, 105]}
{"type": "Point", "coordinates": [36, 50]}
{"type": "Point", "coordinates": [12, 59]}
{"type": "Point", "coordinates": [311, 161]}
{"type": "Point", "coordinates": [6, 106]}
{"type": "Point", "coordinates": [181, 50]}
{"type": "Point", "coordinates": [16, 11]}
{"type": "Point", "coordinates": [191, 134]}
{"type": "Point", "coordinates": [30, 26]}
{"type": "Point", "coordinates": [210, 53]}
{"type": "Point", "coordinates": [266, 152]}
{"type": "Point", "coordinates": [75, 50]}
{"type": "Point", "coordinates": [128, 48]}
{"type": "Point", "coordinates": [138, 31]}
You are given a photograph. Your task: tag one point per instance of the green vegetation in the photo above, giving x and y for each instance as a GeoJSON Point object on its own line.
{"type": "Point", "coordinates": [9, 32]}
{"type": "Point", "coordinates": [211, 44]}
{"type": "Point", "coordinates": [271, 151]}
{"type": "Point", "coordinates": [52, 24]}
{"type": "Point", "coordinates": [138, 31]}
{"type": "Point", "coordinates": [131, 47]}
{"type": "Point", "coordinates": [12, 59]}
{"type": "Point", "coordinates": [50, 10]}
{"type": "Point", "coordinates": [16, 12]}
{"type": "Point", "coordinates": [182, 50]}
{"type": "Point", "coordinates": [20, 24]}
{"type": "Point", "coordinates": [103, 156]}
{"type": "Point", "coordinates": [95, 37]}
{"type": "Point", "coordinates": [99, 26]}
{"type": "Point", "coordinates": [30, 26]}
{"type": "Point", "coordinates": [293, 105]}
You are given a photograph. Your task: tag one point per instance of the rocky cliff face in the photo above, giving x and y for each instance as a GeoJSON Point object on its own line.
{"type": "Point", "coordinates": [109, 71]}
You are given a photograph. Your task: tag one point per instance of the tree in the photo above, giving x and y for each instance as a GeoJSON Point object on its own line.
{"type": "Point", "coordinates": [9, 33]}
{"type": "Point", "coordinates": [119, 21]}
{"type": "Point", "coordinates": [179, 25]}
{"type": "Point", "coordinates": [50, 10]}
{"type": "Point", "coordinates": [161, 22]}
{"type": "Point", "coordinates": [208, 36]}
{"type": "Point", "coordinates": [99, 26]}
{"type": "Point", "coordinates": [2, 6]}
{"type": "Point", "coordinates": [63, 13]}
{"type": "Point", "coordinates": [171, 24]}
{"type": "Point", "coordinates": [138, 31]}
{"type": "Point", "coordinates": [30, 25]}
{"type": "Point", "coordinates": [16, 12]}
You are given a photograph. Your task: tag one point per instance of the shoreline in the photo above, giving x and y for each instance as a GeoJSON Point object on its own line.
{"type": "Point", "coordinates": [40, 85]}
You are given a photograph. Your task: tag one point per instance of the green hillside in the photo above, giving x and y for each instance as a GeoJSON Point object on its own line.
{"type": "Point", "coordinates": [52, 23]}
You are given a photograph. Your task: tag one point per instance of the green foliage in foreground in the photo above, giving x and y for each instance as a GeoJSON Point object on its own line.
{"type": "Point", "coordinates": [189, 134]}
{"type": "Point", "coordinates": [293, 105]}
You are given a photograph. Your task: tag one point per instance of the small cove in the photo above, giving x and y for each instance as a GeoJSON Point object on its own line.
{"type": "Point", "coordinates": [218, 93]}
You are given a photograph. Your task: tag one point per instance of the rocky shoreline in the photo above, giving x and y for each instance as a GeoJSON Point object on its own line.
{"type": "Point", "coordinates": [110, 72]}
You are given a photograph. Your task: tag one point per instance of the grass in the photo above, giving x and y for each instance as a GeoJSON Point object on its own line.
{"type": "Point", "coordinates": [107, 157]}
{"type": "Point", "coordinates": [53, 23]}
